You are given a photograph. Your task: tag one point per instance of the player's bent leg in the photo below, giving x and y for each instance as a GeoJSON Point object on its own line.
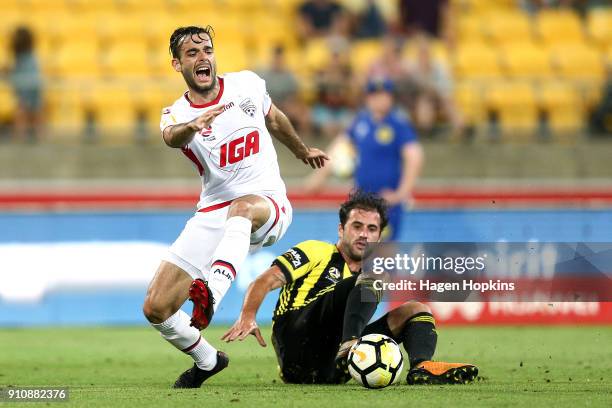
{"type": "Point", "coordinates": [167, 292]}
{"type": "Point", "coordinates": [245, 214]}
{"type": "Point", "coordinates": [414, 325]}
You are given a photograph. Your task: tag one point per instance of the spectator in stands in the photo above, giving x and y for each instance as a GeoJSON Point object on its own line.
{"type": "Point", "coordinates": [369, 21]}
{"type": "Point", "coordinates": [317, 17]}
{"type": "Point", "coordinates": [332, 109]}
{"type": "Point", "coordinates": [283, 88]}
{"type": "Point", "coordinates": [25, 78]}
{"type": "Point", "coordinates": [392, 65]}
{"type": "Point", "coordinates": [431, 90]}
{"type": "Point", "coordinates": [601, 118]}
{"type": "Point", "coordinates": [430, 17]}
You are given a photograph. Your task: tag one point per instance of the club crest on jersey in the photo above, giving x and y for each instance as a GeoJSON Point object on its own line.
{"type": "Point", "coordinates": [207, 134]}
{"type": "Point", "coordinates": [334, 274]}
{"type": "Point", "coordinates": [248, 107]}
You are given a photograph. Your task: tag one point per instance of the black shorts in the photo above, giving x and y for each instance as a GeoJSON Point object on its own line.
{"type": "Point", "coordinates": [306, 340]}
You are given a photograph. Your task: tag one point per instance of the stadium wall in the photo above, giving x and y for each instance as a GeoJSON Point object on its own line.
{"type": "Point", "coordinates": [92, 267]}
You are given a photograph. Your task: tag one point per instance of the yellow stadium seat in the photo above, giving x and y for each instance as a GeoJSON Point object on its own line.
{"type": "Point", "coordinates": [468, 97]}
{"type": "Point", "coordinates": [526, 61]}
{"type": "Point", "coordinates": [476, 60]}
{"type": "Point", "coordinates": [563, 106]}
{"type": "Point", "coordinates": [70, 27]}
{"type": "Point", "coordinates": [76, 58]}
{"type": "Point", "coordinates": [599, 26]}
{"type": "Point", "coordinates": [559, 27]}
{"type": "Point", "coordinates": [116, 28]}
{"type": "Point", "coordinates": [65, 113]}
{"type": "Point", "coordinates": [127, 59]}
{"type": "Point", "coordinates": [578, 62]}
{"type": "Point", "coordinates": [469, 28]}
{"type": "Point", "coordinates": [362, 54]}
{"type": "Point", "coordinates": [515, 105]}
{"type": "Point", "coordinates": [231, 57]}
{"type": "Point", "coordinates": [112, 106]}
{"type": "Point", "coordinates": [504, 28]}
{"type": "Point", "coordinates": [317, 54]}
{"type": "Point", "coordinates": [8, 104]}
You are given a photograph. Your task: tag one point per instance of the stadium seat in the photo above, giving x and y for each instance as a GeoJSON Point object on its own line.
{"type": "Point", "coordinates": [515, 106]}
{"type": "Point", "coordinates": [469, 29]}
{"type": "Point", "coordinates": [559, 27]}
{"type": "Point", "coordinates": [563, 106]}
{"type": "Point", "coordinates": [599, 26]}
{"type": "Point", "coordinates": [362, 54]}
{"type": "Point", "coordinates": [112, 105]}
{"type": "Point", "coordinates": [579, 62]}
{"type": "Point", "coordinates": [7, 102]}
{"type": "Point", "coordinates": [468, 97]}
{"type": "Point", "coordinates": [76, 59]}
{"type": "Point", "coordinates": [65, 115]}
{"type": "Point", "coordinates": [115, 28]}
{"type": "Point", "coordinates": [504, 28]}
{"type": "Point", "coordinates": [316, 54]}
{"type": "Point", "coordinates": [526, 61]}
{"type": "Point", "coordinates": [127, 58]}
{"type": "Point", "coordinates": [231, 57]}
{"type": "Point", "coordinates": [476, 60]}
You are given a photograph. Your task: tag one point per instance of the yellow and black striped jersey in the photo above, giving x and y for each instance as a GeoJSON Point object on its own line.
{"type": "Point", "coordinates": [312, 268]}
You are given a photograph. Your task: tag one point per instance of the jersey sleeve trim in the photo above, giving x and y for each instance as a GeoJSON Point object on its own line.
{"type": "Point", "coordinates": [283, 269]}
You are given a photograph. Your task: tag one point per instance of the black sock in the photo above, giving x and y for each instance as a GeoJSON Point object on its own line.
{"type": "Point", "coordinates": [360, 307]}
{"type": "Point", "coordinates": [420, 338]}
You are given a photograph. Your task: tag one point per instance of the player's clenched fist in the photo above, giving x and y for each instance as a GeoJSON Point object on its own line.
{"type": "Point", "coordinates": [204, 120]}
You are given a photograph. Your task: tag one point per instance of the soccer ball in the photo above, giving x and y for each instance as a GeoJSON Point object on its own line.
{"type": "Point", "coordinates": [375, 361]}
{"type": "Point", "coordinates": [343, 160]}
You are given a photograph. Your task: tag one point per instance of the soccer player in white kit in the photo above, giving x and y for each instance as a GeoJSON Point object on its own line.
{"type": "Point", "coordinates": [223, 125]}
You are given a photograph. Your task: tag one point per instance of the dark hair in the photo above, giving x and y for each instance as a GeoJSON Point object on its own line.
{"type": "Point", "coordinates": [365, 201]}
{"type": "Point", "coordinates": [22, 41]}
{"type": "Point", "coordinates": [179, 35]}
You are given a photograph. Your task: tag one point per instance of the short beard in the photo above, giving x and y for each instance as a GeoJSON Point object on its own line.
{"type": "Point", "coordinates": [198, 88]}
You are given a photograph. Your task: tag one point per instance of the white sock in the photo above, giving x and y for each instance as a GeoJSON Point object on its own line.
{"type": "Point", "coordinates": [229, 256]}
{"type": "Point", "coordinates": [177, 331]}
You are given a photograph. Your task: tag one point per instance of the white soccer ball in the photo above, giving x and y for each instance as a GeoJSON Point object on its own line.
{"type": "Point", "coordinates": [343, 160]}
{"type": "Point", "coordinates": [375, 361]}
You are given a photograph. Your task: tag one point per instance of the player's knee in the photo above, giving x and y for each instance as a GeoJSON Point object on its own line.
{"type": "Point", "coordinates": [409, 309]}
{"type": "Point", "coordinates": [155, 311]}
{"type": "Point", "coordinates": [240, 208]}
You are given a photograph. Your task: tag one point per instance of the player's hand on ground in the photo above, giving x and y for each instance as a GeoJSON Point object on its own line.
{"type": "Point", "coordinates": [315, 158]}
{"type": "Point", "coordinates": [241, 329]}
{"type": "Point", "coordinates": [344, 349]}
{"type": "Point", "coordinates": [206, 119]}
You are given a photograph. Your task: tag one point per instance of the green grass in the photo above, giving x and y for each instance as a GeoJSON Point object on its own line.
{"type": "Point", "coordinates": [133, 367]}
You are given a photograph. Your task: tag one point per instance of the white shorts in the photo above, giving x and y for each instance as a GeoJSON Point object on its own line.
{"type": "Point", "coordinates": [193, 249]}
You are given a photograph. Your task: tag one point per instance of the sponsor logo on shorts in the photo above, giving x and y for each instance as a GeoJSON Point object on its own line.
{"type": "Point", "coordinates": [296, 257]}
{"type": "Point", "coordinates": [223, 272]}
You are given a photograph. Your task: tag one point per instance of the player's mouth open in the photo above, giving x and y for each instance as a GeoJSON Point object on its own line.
{"type": "Point", "coordinates": [203, 73]}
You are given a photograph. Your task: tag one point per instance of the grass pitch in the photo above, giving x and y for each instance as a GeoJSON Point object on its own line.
{"type": "Point", "coordinates": [135, 367]}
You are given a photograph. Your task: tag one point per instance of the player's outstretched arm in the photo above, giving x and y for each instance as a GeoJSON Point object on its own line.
{"type": "Point", "coordinates": [271, 279]}
{"type": "Point", "coordinates": [281, 128]}
{"type": "Point", "coordinates": [181, 134]}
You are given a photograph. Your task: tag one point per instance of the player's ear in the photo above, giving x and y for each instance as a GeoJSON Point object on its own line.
{"type": "Point", "coordinates": [176, 64]}
{"type": "Point", "coordinates": [340, 230]}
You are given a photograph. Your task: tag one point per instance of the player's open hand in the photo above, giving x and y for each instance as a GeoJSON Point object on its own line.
{"type": "Point", "coordinates": [205, 120]}
{"type": "Point", "coordinates": [241, 329]}
{"type": "Point", "coordinates": [315, 158]}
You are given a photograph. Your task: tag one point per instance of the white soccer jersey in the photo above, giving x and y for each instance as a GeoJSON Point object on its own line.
{"type": "Point", "coordinates": [235, 156]}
